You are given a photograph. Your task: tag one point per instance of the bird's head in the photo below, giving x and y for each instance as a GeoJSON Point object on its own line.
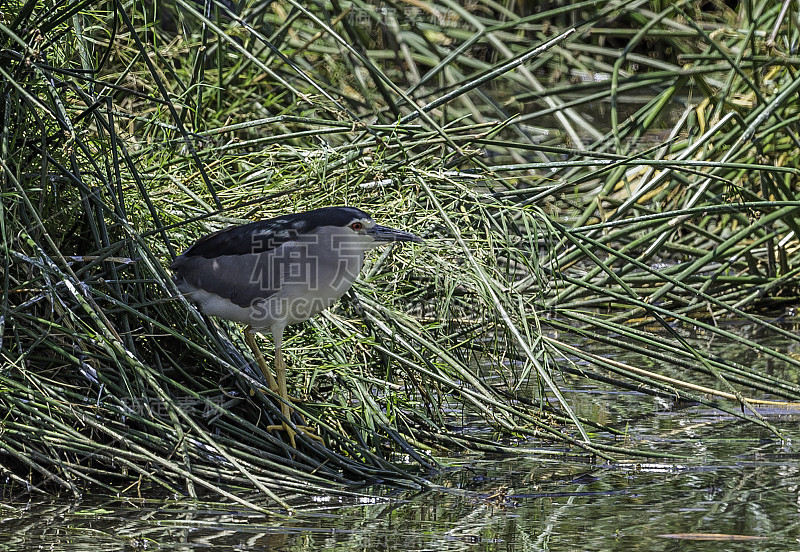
{"type": "Point", "coordinates": [364, 226]}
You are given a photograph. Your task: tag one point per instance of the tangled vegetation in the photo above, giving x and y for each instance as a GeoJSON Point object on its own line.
{"type": "Point", "coordinates": [619, 172]}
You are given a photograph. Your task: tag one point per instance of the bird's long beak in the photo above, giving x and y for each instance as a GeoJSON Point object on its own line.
{"type": "Point", "coordinates": [384, 234]}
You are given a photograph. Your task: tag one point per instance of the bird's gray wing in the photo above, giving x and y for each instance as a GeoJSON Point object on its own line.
{"type": "Point", "coordinates": [243, 279]}
{"type": "Point", "coordinates": [250, 277]}
{"type": "Point", "coordinates": [256, 237]}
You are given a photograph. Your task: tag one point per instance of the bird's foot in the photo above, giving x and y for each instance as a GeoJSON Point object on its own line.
{"type": "Point", "coordinates": [277, 392]}
{"type": "Point", "coordinates": [308, 431]}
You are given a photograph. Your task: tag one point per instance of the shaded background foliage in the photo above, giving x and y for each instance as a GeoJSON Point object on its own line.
{"type": "Point", "coordinates": [620, 172]}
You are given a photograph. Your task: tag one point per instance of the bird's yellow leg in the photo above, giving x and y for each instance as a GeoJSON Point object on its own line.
{"type": "Point", "coordinates": [283, 392]}
{"type": "Point", "coordinates": [250, 339]}
{"type": "Point", "coordinates": [286, 410]}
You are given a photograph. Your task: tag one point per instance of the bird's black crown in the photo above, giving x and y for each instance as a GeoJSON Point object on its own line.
{"type": "Point", "coordinates": [265, 235]}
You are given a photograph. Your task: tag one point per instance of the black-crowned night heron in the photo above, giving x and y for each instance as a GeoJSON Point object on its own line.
{"type": "Point", "coordinates": [281, 271]}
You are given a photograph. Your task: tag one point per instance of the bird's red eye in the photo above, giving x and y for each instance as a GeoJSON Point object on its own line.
{"type": "Point", "coordinates": [356, 226]}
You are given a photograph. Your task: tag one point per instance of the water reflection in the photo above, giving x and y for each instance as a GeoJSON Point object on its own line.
{"type": "Point", "coordinates": [483, 503]}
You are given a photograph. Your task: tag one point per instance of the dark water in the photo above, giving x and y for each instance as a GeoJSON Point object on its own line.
{"type": "Point", "coordinates": [738, 485]}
